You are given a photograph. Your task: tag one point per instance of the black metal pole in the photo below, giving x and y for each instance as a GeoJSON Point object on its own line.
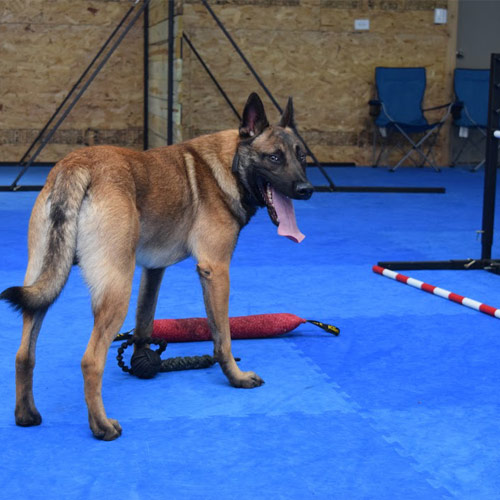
{"type": "Point", "coordinates": [490, 172]}
{"type": "Point", "coordinates": [266, 90]}
{"type": "Point", "coordinates": [240, 53]}
{"type": "Point", "coordinates": [84, 74]}
{"type": "Point", "coordinates": [47, 138]}
{"type": "Point", "coordinates": [145, 131]}
{"type": "Point", "coordinates": [170, 74]}
{"type": "Point", "coordinates": [211, 75]}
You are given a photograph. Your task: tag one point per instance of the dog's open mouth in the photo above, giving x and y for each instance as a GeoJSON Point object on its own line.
{"type": "Point", "coordinates": [281, 211]}
{"type": "Point", "coordinates": [267, 195]}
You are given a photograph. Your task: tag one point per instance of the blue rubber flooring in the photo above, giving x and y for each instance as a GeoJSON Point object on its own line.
{"type": "Point", "coordinates": [402, 405]}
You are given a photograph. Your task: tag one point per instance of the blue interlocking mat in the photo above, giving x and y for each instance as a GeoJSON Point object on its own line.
{"type": "Point", "coordinates": [402, 405]}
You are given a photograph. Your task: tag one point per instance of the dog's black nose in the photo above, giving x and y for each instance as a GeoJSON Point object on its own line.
{"type": "Point", "coordinates": [303, 190]}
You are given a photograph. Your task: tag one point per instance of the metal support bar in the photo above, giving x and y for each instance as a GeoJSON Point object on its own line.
{"type": "Point", "coordinates": [490, 172]}
{"type": "Point", "coordinates": [78, 82]}
{"type": "Point", "coordinates": [44, 140]}
{"type": "Point", "coordinates": [212, 77]}
{"type": "Point", "coordinates": [381, 189]}
{"type": "Point", "coordinates": [442, 265]}
{"type": "Point", "coordinates": [242, 56]}
{"type": "Point", "coordinates": [170, 74]}
{"type": "Point", "coordinates": [145, 133]}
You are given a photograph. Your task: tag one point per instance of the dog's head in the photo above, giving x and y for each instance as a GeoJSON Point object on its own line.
{"type": "Point", "coordinates": [271, 163]}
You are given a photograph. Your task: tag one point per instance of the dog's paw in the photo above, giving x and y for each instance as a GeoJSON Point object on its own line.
{"type": "Point", "coordinates": [107, 431]}
{"type": "Point", "coordinates": [247, 380]}
{"type": "Point", "coordinates": [27, 417]}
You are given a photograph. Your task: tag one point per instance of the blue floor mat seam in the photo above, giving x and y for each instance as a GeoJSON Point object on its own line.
{"type": "Point", "coordinates": [372, 422]}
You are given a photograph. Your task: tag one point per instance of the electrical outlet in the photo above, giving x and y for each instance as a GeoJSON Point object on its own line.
{"type": "Point", "coordinates": [361, 24]}
{"type": "Point", "coordinates": [440, 16]}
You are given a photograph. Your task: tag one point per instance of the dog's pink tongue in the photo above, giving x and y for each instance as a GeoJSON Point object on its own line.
{"type": "Point", "coordinates": [286, 215]}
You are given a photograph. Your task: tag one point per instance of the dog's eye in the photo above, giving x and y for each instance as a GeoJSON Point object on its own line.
{"type": "Point", "coordinates": [301, 156]}
{"type": "Point", "coordinates": [275, 158]}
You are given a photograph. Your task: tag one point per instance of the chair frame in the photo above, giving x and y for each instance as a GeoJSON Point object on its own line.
{"type": "Point", "coordinates": [458, 108]}
{"type": "Point", "coordinates": [425, 151]}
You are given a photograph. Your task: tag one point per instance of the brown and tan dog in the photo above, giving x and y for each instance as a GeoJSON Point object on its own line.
{"type": "Point", "coordinates": [107, 208]}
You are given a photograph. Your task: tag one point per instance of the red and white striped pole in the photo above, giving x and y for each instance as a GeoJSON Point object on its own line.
{"type": "Point", "coordinates": [441, 292]}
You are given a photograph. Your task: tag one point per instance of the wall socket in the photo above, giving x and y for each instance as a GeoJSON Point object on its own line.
{"type": "Point", "coordinates": [361, 24]}
{"type": "Point", "coordinates": [440, 16]}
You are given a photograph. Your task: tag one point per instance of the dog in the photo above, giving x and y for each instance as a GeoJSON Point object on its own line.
{"type": "Point", "coordinates": [108, 208]}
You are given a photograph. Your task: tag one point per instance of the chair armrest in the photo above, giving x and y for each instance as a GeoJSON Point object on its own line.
{"type": "Point", "coordinates": [448, 106]}
{"type": "Point", "coordinates": [438, 107]}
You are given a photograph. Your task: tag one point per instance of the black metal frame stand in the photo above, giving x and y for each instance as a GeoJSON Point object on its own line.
{"type": "Point", "coordinates": [490, 179]}
{"type": "Point", "coordinates": [145, 118]}
{"type": "Point", "coordinates": [74, 95]}
{"type": "Point", "coordinates": [170, 74]}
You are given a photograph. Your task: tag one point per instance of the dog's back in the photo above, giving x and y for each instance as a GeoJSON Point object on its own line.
{"type": "Point", "coordinates": [160, 191]}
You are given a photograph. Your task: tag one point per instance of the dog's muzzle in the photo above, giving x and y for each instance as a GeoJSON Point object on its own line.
{"type": "Point", "coordinates": [302, 190]}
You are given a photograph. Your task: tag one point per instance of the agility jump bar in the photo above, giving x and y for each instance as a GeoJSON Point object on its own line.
{"type": "Point", "coordinates": [440, 292]}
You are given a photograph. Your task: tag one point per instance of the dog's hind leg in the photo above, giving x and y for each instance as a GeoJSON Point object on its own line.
{"type": "Point", "coordinates": [109, 315]}
{"type": "Point", "coordinates": [106, 254]}
{"type": "Point", "coordinates": [26, 413]}
{"type": "Point", "coordinates": [146, 303]}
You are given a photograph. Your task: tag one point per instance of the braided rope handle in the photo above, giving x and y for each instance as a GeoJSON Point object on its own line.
{"type": "Point", "coordinates": [140, 343]}
{"type": "Point", "coordinates": [167, 365]}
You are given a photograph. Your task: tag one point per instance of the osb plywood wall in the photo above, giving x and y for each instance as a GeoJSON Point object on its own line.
{"type": "Point", "coordinates": [157, 71]}
{"type": "Point", "coordinates": [304, 48]}
{"type": "Point", "coordinates": [309, 49]}
{"type": "Point", "coordinates": [44, 47]}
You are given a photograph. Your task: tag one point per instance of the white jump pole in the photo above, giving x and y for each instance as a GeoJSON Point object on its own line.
{"type": "Point", "coordinates": [440, 292]}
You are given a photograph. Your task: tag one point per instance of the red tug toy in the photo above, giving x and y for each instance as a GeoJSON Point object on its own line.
{"type": "Point", "coordinates": [146, 363]}
{"type": "Point", "coordinates": [242, 327]}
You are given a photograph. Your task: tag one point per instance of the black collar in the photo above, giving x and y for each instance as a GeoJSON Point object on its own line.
{"type": "Point", "coordinates": [248, 197]}
{"type": "Point", "coordinates": [236, 162]}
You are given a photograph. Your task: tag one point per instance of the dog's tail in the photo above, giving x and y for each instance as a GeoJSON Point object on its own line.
{"type": "Point", "coordinates": [57, 255]}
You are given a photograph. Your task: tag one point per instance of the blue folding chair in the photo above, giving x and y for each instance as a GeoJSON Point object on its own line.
{"type": "Point", "coordinates": [398, 110]}
{"type": "Point", "coordinates": [470, 109]}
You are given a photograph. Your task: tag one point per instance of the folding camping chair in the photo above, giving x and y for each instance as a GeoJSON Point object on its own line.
{"type": "Point", "coordinates": [470, 109]}
{"type": "Point", "coordinates": [398, 110]}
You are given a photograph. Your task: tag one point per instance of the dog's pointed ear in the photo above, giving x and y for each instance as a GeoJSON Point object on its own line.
{"type": "Point", "coordinates": [287, 118]}
{"type": "Point", "coordinates": [254, 117]}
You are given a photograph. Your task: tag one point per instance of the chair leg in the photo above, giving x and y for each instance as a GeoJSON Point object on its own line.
{"type": "Point", "coordinates": [375, 158]}
{"type": "Point", "coordinates": [415, 147]}
{"type": "Point", "coordinates": [383, 146]}
{"type": "Point", "coordinates": [461, 150]}
{"type": "Point", "coordinates": [478, 166]}
{"type": "Point", "coordinates": [430, 152]}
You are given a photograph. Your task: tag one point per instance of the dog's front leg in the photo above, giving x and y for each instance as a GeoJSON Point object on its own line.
{"type": "Point", "coordinates": [215, 282]}
{"type": "Point", "coordinates": [146, 303]}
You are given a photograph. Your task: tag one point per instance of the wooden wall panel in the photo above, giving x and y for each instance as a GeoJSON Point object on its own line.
{"type": "Point", "coordinates": [304, 48]}
{"type": "Point", "coordinates": [45, 46]}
